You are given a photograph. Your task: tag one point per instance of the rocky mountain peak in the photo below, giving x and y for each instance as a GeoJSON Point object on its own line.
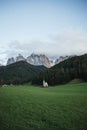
{"type": "Point", "coordinates": [10, 60]}
{"type": "Point", "coordinates": [60, 59]}
{"type": "Point", "coordinates": [20, 58]}
{"type": "Point", "coordinates": [38, 60]}
{"type": "Point", "coordinates": [0, 64]}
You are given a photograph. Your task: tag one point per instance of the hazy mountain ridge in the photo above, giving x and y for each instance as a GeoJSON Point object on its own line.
{"type": "Point", "coordinates": [36, 59]}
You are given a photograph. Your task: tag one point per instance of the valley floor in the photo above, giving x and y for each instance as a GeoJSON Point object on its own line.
{"type": "Point", "coordinates": [35, 108]}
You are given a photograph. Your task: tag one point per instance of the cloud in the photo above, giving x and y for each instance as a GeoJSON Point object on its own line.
{"type": "Point", "coordinates": [70, 42]}
{"type": "Point", "coordinates": [66, 42]}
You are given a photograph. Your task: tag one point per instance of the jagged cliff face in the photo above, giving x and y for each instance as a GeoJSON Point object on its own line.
{"type": "Point", "coordinates": [38, 60]}
{"type": "Point", "coordinates": [61, 58]}
{"type": "Point", "coordinates": [33, 59]}
{"type": "Point", "coordinates": [0, 64]}
{"type": "Point", "coordinates": [10, 60]}
{"type": "Point", "coordinates": [52, 63]}
{"type": "Point", "coordinates": [20, 58]}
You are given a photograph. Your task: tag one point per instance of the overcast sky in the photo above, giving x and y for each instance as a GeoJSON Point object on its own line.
{"type": "Point", "coordinates": [52, 27]}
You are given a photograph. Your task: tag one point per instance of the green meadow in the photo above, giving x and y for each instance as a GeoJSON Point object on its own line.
{"type": "Point", "coordinates": [28, 107]}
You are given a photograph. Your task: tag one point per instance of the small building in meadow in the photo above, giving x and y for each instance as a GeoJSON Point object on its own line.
{"type": "Point", "coordinates": [45, 84]}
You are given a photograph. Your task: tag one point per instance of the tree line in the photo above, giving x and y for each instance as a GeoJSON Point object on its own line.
{"type": "Point", "coordinates": [72, 68]}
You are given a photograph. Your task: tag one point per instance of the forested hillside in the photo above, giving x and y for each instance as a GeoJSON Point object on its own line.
{"type": "Point", "coordinates": [22, 72]}
{"type": "Point", "coordinates": [19, 73]}
{"type": "Point", "coordinates": [72, 68]}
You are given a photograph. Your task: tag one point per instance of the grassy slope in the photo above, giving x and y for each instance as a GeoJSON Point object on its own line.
{"type": "Point", "coordinates": [33, 108]}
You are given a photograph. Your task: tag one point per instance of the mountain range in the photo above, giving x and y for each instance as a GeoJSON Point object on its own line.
{"type": "Point", "coordinates": [20, 71]}
{"type": "Point", "coordinates": [36, 60]}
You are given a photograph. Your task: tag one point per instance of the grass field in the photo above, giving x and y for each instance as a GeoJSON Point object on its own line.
{"type": "Point", "coordinates": [33, 108]}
